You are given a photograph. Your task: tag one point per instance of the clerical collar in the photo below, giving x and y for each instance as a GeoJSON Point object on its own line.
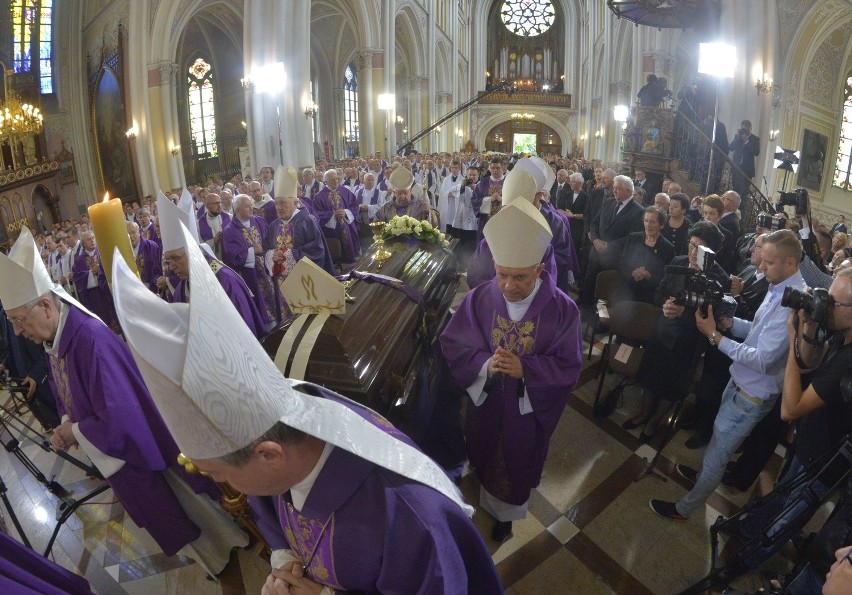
{"type": "Point", "coordinates": [493, 179]}
{"type": "Point", "coordinates": [52, 347]}
{"type": "Point", "coordinates": [518, 309]}
{"type": "Point", "coordinates": [212, 216]}
{"type": "Point", "coordinates": [299, 492]}
{"type": "Point", "coordinates": [287, 221]}
{"type": "Point", "coordinates": [246, 223]}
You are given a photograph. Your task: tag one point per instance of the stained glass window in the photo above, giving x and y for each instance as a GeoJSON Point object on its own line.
{"type": "Point", "coordinates": [844, 150]}
{"type": "Point", "coordinates": [527, 18]}
{"type": "Point", "coordinates": [28, 18]}
{"type": "Point", "coordinates": [45, 39]}
{"type": "Point", "coordinates": [202, 117]}
{"type": "Point", "coordinates": [350, 104]}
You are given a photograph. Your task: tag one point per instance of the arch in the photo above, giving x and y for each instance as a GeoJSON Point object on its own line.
{"type": "Point", "coordinates": [42, 201]}
{"type": "Point", "coordinates": [442, 68]}
{"type": "Point", "coordinates": [410, 36]}
{"type": "Point", "coordinates": [565, 128]}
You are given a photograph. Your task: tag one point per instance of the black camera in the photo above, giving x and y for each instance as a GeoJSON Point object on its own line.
{"type": "Point", "coordinates": [742, 131]}
{"type": "Point", "coordinates": [798, 198]}
{"type": "Point", "coordinates": [816, 304]}
{"type": "Point", "coordinates": [701, 290]}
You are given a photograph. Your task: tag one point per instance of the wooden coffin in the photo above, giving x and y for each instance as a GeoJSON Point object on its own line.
{"type": "Point", "coordinates": [378, 352]}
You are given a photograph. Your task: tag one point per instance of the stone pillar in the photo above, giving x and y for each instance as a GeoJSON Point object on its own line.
{"type": "Point", "coordinates": [275, 32]}
{"type": "Point", "coordinates": [337, 122]}
{"type": "Point", "coordinates": [366, 102]}
{"type": "Point", "coordinates": [171, 131]}
{"type": "Point", "coordinates": [389, 39]}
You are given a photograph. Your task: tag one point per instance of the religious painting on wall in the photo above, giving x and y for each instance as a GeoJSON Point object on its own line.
{"type": "Point", "coordinates": [812, 162]}
{"type": "Point", "coordinates": [109, 124]}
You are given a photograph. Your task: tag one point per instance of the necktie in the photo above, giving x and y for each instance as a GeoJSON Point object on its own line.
{"type": "Point", "coordinates": [615, 212]}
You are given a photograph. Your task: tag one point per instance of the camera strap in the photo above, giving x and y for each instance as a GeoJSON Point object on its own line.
{"type": "Point", "coordinates": [811, 341]}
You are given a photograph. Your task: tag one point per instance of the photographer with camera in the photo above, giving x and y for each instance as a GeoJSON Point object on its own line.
{"type": "Point", "coordinates": [745, 147]}
{"type": "Point", "coordinates": [676, 342]}
{"type": "Point", "coordinates": [757, 372]}
{"type": "Point", "coordinates": [823, 415]}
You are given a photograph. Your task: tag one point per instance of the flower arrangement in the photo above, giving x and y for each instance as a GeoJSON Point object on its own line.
{"type": "Point", "coordinates": [407, 226]}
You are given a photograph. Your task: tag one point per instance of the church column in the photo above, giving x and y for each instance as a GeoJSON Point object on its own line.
{"type": "Point", "coordinates": [429, 80]}
{"type": "Point", "coordinates": [274, 33]}
{"type": "Point", "coordinates": [389, 37]}
{"type": "Point", "coordinates": [366, 102]}
{"type": "Point", "coordinates": [171, 131]}
{"type": "Point", "coordinates": [337, 136]}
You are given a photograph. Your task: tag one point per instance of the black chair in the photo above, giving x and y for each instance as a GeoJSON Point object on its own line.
{"type": "Point", "coordinates": [607, 283]}
{"type": "Point", "coordinates": [631, 326]}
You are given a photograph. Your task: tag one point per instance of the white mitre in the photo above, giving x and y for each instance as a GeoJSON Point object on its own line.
{"type": "Point", "coordinates": [209, 414]}
{"type": "Point", "coordinates": [518, 235]}
{"type": "Point", "coordinates": [285, 184]}
{"type": "Point", "coordinates": [518, 184]}
{"type": "Point", "coordinates": [401, 178]}
{"type": "Point", "coordinates": [24, 278]}
{"type": "Point", "coordinates": [310, 289]}
{"type": "Point", "coordinates": [538, 169]}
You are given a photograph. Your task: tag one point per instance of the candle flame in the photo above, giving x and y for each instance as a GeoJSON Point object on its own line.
{"type": "Point", "coordinates": [106, 197]}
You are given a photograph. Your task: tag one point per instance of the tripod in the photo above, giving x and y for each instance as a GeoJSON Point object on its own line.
{"type": "Point", "coordinates": [68, 506]}
{"type": "Point", "coordinates": [787, 523]}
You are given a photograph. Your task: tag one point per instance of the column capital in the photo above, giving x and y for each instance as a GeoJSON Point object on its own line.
{"type": "Point", "coordinates": [168, 72]}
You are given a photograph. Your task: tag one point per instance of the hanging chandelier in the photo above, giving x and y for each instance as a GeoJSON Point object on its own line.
{"type": "Point", "coordinates": [665, 14]}
{"type": "Point", "coordinates": [18, 118]}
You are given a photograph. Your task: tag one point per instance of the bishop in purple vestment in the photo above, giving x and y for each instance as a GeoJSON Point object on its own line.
{"type": "Point", "coordinates": [91, 284]}
{"type": "Point", "coordinates": [263, 205]}
{"type": "Point", "coordinates": [419, 541]}
{"type": "Point", "coordinates": [212, 223]}
{"type": "Point", "coordinates": [234, 285]}
{"type": "Point", "coordinates": [293, 236]}
{"type": "Point", "coordinates": [148, 255]}
{"type": "Point", "coordinates": [515, 346]}
{"type": "Point", "coordinates": [242, 250]}
{"type": "Point", "coordinates": [336, 209]}
{"type": "Point", "coordinates": [488, 187]}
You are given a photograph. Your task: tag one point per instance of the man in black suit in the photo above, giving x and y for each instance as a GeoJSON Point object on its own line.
{"type": "Point", "coordinates": [730, 223]}
{"type": "Point", "coordinates": [641, 181]}
{"type": "Point", "coordinates": [560, 188]}
{"type": "Point", "coordinates": [616, 219]}
{"type": "Point", "coordinates": [839, 226]}
{"type": "Point", "coordinates": [744, 148]}
{"type": "Point", "coordinates": [596, 199]}
{"type": "Point", "coordinates": [573, 204]}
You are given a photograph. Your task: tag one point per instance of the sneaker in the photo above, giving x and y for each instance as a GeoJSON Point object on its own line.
{"type": "Point", "coordinates": [667, 510]}
{"type": "Point", "coordinates": [502, 531]}
{"type": "Point", "coordinates": [688, 473]}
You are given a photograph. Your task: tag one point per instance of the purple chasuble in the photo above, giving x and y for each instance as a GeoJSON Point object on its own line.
{"type": "Point", "coordinates": [364, 528]}
{"type": "Point", "coordinates": [303, 236]}
{"type": "Point", "coordinates": [508, 449]}
{"type": "Point", "coordinates": [150, 233]}
{"type": "Point", "coordinates": [24, 571]}
{"type": "Point", "coordinates": [481, 191]}
{"type": "Point", "coordinates": [98, 299]}
{"type": "Point", "coordinates": [266, 211]}
{"type": "Point", "coordinates": [149, 262]}
{"type": "Point", "coordinates": [480, 268]}
{"type": "Point", "coordinates": [98, 385]}
{"type": "Point", "coordinates": [563, 247]}
{"type": "Point", "coordinates": [238, 292]}
{"type": "Point", "coordinates": [326, 203]}
{"type": "Point", "coordinates": [417, 208]}
{"type": "Point", "coordinates": [235, 247]}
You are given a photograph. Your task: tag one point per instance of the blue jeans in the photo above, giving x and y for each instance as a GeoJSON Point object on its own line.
{"type": "Point", "coordinates": [736, 418]}
{"type": "Point", "coordinates": [755, 522]}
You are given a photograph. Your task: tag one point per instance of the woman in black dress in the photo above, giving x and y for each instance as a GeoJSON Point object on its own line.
{"type": "Point", "coordinates": [644, 256]}
{"type": "Point", "coordinates": [676, 229]}
{"type": "Point", "coordinates": [666, 369]}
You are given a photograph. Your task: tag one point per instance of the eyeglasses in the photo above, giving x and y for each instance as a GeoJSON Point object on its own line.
{"type": "Point", "coordinates": [693, 247]}
{"type": "Point", "coordinates": [174, 258]}
{"type": "Point", "coordinates": [20, 321]}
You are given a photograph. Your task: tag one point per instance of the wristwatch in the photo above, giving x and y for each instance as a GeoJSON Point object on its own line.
{"type": "Point", "coordinates": [712, 338]}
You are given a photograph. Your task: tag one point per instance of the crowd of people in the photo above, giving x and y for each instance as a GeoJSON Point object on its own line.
{"type": "Point", "coordinates": [533, 235]}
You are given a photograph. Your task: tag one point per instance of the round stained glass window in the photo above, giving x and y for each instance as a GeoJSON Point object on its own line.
{"type": "Point", "coordinates": [527, 18]}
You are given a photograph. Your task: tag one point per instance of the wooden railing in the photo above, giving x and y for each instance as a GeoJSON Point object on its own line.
{"type": "Point", "coordinates": [529, 98]}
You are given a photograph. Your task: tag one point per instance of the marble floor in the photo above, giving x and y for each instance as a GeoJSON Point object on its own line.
{"type": "Point", "coordinates": [589, 529]}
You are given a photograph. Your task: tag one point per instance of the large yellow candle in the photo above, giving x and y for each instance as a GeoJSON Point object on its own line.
{"type": "Point", "coordinates": [110, 229]}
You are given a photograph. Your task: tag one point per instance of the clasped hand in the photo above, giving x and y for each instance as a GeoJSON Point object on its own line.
{"type": "Point", "coordinates": [63, 437]}
{"type": "Point", "coordinates": [505, 362]}
{"type": "Point", "coordinates": [290, 578]}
